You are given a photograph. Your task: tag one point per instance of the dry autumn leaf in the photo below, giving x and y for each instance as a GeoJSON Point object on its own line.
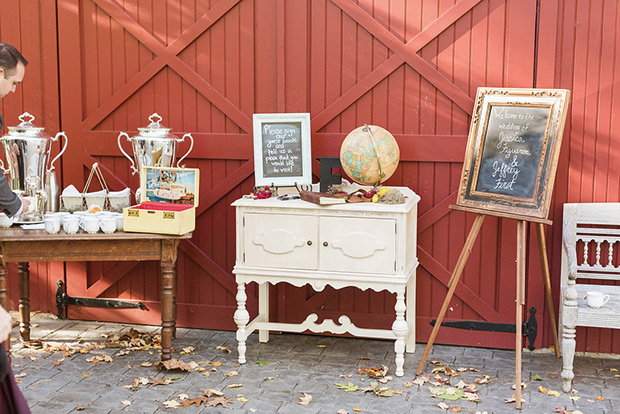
{"type": "Point", "coordinates": [600, 398]}
{"type": "Point", "coordinates": [219, 400]}
{"type": "Point", "coordinates": [455, 410]}
{"type": "Point", "coordinates": [126, 402]}
{"type": "Point", "coordinates": [172, 364]}
{"type": "Point", "coordinates": [171, 404]}
{"type": "Point", "coordinates": [357, 409]}
{"type": "Point", "coordinates": [305, 399]}
{"type": "Point", "coordinates": [197, 401]}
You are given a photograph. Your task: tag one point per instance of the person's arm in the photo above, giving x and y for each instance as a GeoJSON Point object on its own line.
{"type": "Point", "coordinates": [5, 324]}
{"type": "Point", "coordinates": [10, 203]}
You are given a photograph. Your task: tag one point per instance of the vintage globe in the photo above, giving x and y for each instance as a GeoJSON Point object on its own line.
{"type": "Point", "coordinates": [369, 155]}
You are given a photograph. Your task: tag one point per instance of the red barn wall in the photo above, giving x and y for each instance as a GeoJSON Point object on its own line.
{"type": "Point", "coordinates": [411, 66]}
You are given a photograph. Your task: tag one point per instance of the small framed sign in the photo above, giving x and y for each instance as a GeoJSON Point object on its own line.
{"type": "Point", "coordinates": [512, 152]}
{"type": "Point", "coordinates": [282, 152]}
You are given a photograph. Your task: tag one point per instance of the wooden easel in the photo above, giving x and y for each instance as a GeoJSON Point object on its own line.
{"type": "Point", "coordinates": [520, 292]}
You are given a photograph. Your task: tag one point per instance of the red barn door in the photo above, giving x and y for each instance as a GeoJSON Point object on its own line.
{"type": "Point", "coordinates": [411, 66]}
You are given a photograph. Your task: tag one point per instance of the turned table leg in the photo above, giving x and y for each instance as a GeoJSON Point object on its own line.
{"type": "Point", "coordinates": [23, 272]}
{"type": "Point", "coordinates": [400, 329]}
{"type": "Point", "coordinates": [168, 296]}
{"type": "Point", "coordinates": [241, 317]}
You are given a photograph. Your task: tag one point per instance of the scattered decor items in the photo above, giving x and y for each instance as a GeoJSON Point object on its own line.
{"type": "Point", "coordinates": [282, 153]}
{"type": "Point", "coordinates": [369, 155]}
{"type": "Point", "coordinates": [154, 146]}
{"type": "Point", "coordinates": [261, 193]}
{"type": "Point", "coordinates": [169, 197]}
{"type": "Point", "coordinates": [27, 149]}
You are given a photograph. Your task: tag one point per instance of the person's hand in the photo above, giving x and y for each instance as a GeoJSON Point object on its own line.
{"type": "Point", "coordinates": [25, 204]}
{"type": "Point", "coordinates": [5, 324]}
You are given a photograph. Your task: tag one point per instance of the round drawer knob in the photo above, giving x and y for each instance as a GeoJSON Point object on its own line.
{"type": "Point", "coordinates": [309, 242]}
{"type": "Point", "coordinates": [325, 244]}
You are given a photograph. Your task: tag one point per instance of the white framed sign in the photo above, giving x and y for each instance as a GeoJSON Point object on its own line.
{"type": "Point", "coordinates": [282, 152]}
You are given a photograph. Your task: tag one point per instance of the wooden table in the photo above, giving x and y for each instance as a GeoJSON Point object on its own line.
{"type": "Point", "coordinates": [23, 246]}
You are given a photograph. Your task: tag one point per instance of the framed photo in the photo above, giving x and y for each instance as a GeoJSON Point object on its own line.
{"type": "Point", "coordinates": [282, 151]}
{"type": "Point", "coordinates": [512, 152]}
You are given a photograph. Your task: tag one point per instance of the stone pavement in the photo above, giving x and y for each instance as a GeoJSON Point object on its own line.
{"type": "Point", "coordinates": [290, 365]}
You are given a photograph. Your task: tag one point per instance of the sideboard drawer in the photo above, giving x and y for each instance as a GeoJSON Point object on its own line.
{"type": "Point", "coordinates": [280, 240]}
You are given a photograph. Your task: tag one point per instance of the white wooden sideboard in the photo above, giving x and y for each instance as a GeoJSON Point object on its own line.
{"type": "Point", "coordinates": [365, 245]}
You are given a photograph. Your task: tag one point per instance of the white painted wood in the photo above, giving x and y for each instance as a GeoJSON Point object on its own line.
{"type": "Point", "coordinates": [593, 230]}
{"type": "Point", "coordinates": [365, 245]}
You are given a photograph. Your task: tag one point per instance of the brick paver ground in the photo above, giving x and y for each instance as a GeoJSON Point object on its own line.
{"type": "Point", "coordinates": [293, 365]}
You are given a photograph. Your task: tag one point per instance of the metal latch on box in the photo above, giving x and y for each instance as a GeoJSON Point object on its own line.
{"type": "Point", "coordinates": [63, 300]}
{"type": "Point", "coordinates": [530, 327]}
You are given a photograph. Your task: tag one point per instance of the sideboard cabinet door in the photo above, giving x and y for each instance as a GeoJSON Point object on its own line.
{"type": "Point", "coordinates": [281, 240]}
{"type": "Point", "coordinates": [358, 245]}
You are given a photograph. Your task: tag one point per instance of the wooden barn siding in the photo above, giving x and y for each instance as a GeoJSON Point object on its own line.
{"type": "Point", "coordinates": [344, 62]}
{"type": "Point", "coordinates": [579, 50]}
{"type": "Point", "coordinates": [26, 25]}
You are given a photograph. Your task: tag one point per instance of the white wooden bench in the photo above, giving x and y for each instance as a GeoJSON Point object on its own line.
{"type": "Point", "coordinates": [591, 236]}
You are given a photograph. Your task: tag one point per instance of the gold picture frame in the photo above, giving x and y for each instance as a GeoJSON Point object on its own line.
{"type": "Point", "coordinates": [512, 152]}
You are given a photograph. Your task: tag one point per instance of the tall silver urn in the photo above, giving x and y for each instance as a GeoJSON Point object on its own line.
{"type": "Point", "coordinates": [154, 146]}
{"type": "Point", "coordinates": [27, 150]}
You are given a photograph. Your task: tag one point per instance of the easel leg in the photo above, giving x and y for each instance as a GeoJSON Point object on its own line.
{"type": "Point", "coordinates": [454, 280]}
{"type": "Point", "coordinates": [544, 265]}
{"type": "Point", "coordinates": [520, 300]}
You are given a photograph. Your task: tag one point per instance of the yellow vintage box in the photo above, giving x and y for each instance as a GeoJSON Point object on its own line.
{"type": "Point", "coordinates": [168, 200]}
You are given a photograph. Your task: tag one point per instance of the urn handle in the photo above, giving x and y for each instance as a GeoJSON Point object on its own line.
{"type": "Point", "coordinates": [62, 151]}
{"type": "Point", "coordinates": [133, 165]}
{"type": "Point", "coordinates": [188, 151]}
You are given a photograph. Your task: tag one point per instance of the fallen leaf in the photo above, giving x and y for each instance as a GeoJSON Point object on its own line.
{"type": "Point", "coordinates": [146, 364]}
{"type": "Point", "coordinates": [451, 394]}
{"type": "Point", "coordinates": [542, 389]}
{"type": "Point", "coordinates": [574, 398]}
{"type": "Point", "coordinates": [211, 392]}
{"type": "Point", "coordinates": [461, 385]}
{"type": "Point", "coordinates": [348, 388]}
{"type": "Point", "coordinates": [364, 358]}
{"type": "Point", "coordinates": [231, 374]}
{"type": "Point", "coordinates": [553, 393]}
{"type": "Point", "coordinates": [435, 362]}
{"type": "Point", "coordinates": [172, 364]}
{"type": "Point", "coordinates": [197, 401]}
{"type": "Point", "coordinates": [171, 404]}
{"type": "Point", "coordinates": [126, 402]}
{"type": "Point", "coordinates": [357, 409]}
{"type": "Point", "coordinates": [223, 349]}
{"type": "Point", "coordinates": [219, 400]}
{"type": "Point", "coordinates": [536, 377]}
{"type": "Point", "coordinates": [600, 398]}
{"type": "Point", "coordinates": [341, 411]}
{"type": "Point", "coordinates": [443, 406]}
{"type": "Point", "coordinates": [20, 375]}
{"type": "Point", "coordinates": [79, 408]}
{"type": "Point", "coordinates": [159, 381]}
{"type": "Point", "coordinates": [513, 399]}
{"type": "Point", "coordinates": [242, 399]}
{"type": "Point", "coordinates": [374, 372]}
{"type": "Point", "coordinates": [305, 399]}
{"type": "Point", "coordinates": [183, 397]}
{"type": "Point", "coordinates": [235, 386]}
{"type": "Point", "coordinates": [455, 410]}
{"type": "Point", "coordinates": [483, 380]}
{"type": "Point", "coordinates": [321, 346]}
{"type": "Point", "coordinates": [262, 363]}
{"type": "Point", "coordinates": [613, 370]}
{"type": "Point", "coordinates": [408, 384]}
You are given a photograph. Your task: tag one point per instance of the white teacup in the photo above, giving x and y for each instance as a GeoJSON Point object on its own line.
{"type": "Point", "coordinates": [119, 221]}
{"type": "Point", "coordinates": [71, 224]}
{"type": "Point", "coordinates": [6, 221]}
{"type": "Point", "coordinates": [89, 224]}
{"type": "Point", "coordinates": [107, 224]}
{"type": "Point", "coordinates": [52, 224]}
{"type": "Point", "coordinates": [596, 299]}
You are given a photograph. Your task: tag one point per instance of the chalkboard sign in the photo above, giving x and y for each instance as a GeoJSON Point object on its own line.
{"type": "Point", "coordinates": [512, 151]}
{"type": "Point", "coordinates": [282, 149]}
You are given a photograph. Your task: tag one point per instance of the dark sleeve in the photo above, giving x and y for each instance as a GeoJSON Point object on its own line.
{"type": "Point", "coordinates": [9, 202]}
